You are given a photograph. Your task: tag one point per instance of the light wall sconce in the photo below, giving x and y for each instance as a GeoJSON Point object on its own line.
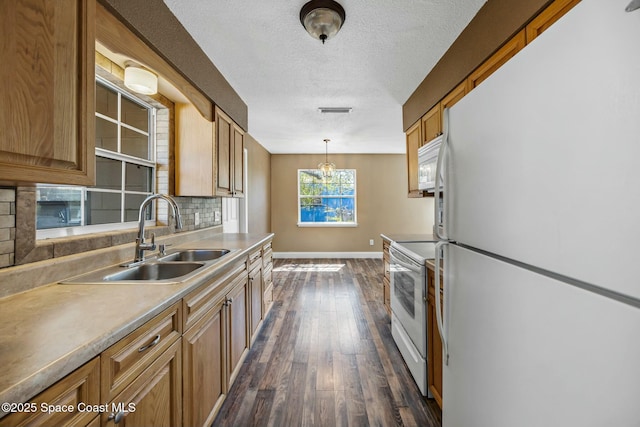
{"type": "Point", "coordinates": [140, 80]}
{"type": "Point", "coordinates": [322, 18]}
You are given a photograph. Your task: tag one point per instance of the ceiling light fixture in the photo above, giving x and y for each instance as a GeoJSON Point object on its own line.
{"type": "Point", "coordinates": [140, 80]}
{"type": "Point", "coordinates": [322, 18]}
{"type": "Point", "coordinates": [326, 168]}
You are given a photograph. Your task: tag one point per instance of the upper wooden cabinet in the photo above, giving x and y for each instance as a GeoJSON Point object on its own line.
{"type": "Point", "coordinates": [454, 96]}
{"type": "Point", "coordinates": [431, 124]}
{"type": "Point", "coordinates": [414, 141]}
{"type": "Point", "coordinates": [229, 156]}
{"type": "Point", "coordinates": [495, 61]}
{"type": "Point", "coordinates": [547, 17]}
{"type": "Point", "coordinates": [47, 91]}
{"type": "Point", "coordinates": [195, 155]}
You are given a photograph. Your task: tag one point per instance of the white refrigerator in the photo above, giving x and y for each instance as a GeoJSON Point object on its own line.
{"type": "Point", "coordinates": [541, 169]}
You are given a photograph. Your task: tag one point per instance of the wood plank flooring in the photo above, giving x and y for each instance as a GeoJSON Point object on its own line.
{"type": "Point", "coordinates": [325, 355]}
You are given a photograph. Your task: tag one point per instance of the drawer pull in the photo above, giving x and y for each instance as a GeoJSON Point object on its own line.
{"type": "Point", "coordinates": [117, 417]}
{"type": "Point", "coordinates": [155, 341]}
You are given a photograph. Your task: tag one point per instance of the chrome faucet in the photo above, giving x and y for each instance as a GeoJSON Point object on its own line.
{"type": "Point", "coordinates": [141, 245]}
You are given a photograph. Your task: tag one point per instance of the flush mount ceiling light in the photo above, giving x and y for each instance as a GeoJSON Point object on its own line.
{"type": "Point", "coordinates": [326, 168]}
{"type": "Point", "coordinates": [140, 80]}
{"type": "Point", "coordinates": [322, 18]}
{"type": "Point", "coordinates": [339, 110]}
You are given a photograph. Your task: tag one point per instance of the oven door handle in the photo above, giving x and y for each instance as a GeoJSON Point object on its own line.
{"type": "Point", "coordinates": [440, 320]}
{"type": "Point", "coordinates": [395, 259]}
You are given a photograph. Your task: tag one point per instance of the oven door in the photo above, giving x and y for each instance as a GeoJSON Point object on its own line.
{"type": "Point", "coordinates": [408, 297]}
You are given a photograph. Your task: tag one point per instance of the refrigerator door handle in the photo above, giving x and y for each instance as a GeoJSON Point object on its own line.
{"type": "Point", "coordinates": [439, 310]}
{"type": "Point", "coordinates": [438, 215]}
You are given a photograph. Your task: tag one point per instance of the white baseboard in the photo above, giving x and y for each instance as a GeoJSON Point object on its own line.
{"type": "Point", "coordinates": [313, 255]}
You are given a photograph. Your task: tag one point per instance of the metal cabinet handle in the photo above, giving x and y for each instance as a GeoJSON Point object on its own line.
{"type": "Point", "coordinates": [155, 341]}
{"type": "Point", "coordinates": [117, 417]}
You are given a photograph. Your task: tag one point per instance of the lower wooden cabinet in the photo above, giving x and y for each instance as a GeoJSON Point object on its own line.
{"type": "Point", "coordinates": [215, 343]}
{"type": "Point", "coordinates": [237, 327]}
{"type": "Point", "coordinates": [154, 398]}
{"type": "Point", "coordinates": [386, 278]}
{"type": "Point", "coordinates": [80, 386]}
{"type": "Point", "coordinates": [434, 344]}
{"type": "Point", "coordinates": [158, 375]}
{"type": "Point", "coordinates": [203, 356]}
{"type": "Point", "coordinates": [255, 298]}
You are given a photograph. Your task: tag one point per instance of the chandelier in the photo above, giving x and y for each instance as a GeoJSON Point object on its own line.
{"type": "Point", "coordinates": [326, 167]}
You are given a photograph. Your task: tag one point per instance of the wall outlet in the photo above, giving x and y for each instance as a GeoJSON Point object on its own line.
{"type": "Point", "coordinates": [371, 242]}
{"type": "Point", "coordinates": [197, 221]}
{"type": "Point", "coordinates": [216, 216]}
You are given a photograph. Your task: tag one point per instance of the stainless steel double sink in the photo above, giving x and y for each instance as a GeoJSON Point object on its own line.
{"type": "Point", "coordinates": [174, 267]}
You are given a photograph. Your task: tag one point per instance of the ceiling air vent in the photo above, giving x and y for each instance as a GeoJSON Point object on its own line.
{"type": "Point", "coordinates": [341, 110]}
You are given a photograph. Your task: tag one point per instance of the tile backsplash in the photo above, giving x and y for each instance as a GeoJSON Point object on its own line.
{"type": "Point", "coordinates": [7, 226]}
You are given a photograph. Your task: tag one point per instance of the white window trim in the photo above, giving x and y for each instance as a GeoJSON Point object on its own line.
{"type": "Point", "coordinates": [353, 223]}
{"type": "Point", "coordinates": [51, 233]}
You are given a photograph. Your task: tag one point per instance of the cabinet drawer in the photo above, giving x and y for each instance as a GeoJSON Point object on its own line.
{"type": "Point", "coordinates": [124, 361]}
{"type": "Point", "coordinates": [198, 302]}
{"type": "Point", "coordinates": [255, 259]}
{"type": "Point", "coordinates": [80, 386]}
{"type": "Point", "coordinates": [267, 257]}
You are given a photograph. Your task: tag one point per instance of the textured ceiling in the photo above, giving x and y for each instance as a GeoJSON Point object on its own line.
{"type": "Point", "coordinates": [381, 54]}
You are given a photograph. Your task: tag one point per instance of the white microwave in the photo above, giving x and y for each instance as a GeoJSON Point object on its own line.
{"type": "Point", "coordinates": [427, 160]}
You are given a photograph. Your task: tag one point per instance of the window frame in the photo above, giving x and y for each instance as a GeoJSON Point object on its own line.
{"type": "Point", "coordinates": [124, 160]}
{"type": "Point", "coordinates": [330, 224]}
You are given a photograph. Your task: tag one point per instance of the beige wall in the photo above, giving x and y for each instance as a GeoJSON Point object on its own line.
{"type": "Point", "coordinates": [258, 186]}
{"type": "Point", "coordinates": [382, 204]}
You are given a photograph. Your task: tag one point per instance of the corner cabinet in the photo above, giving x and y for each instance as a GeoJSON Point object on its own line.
{"type": "Point", "coordinates": [47, 91]}
{"type": "Point", "coordinates": [229, 156]}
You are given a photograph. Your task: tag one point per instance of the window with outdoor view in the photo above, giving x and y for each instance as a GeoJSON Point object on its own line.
{"type": "Point", "coordinates": [125, 168]}
{"type": "Point", "coordinates": [327, 200]}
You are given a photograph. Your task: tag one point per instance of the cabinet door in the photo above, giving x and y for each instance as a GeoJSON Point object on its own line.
{"type": "Point", "coordinates": [47, 93]}
{"type": "Point", "coordinates": [414, 141]}
{"type": "Point", "coordinates": [203, 369]}
{"type": "Point", "coordinates": [454, 96]}
{"type": "Point", "coordinates": [431, 124]}
{"type": "Point", "coordinates": [152, 399]}
{"type": "Point", "coordinates": [237, 327]}
{"type": "Point", "coordinates": [224, 154]}
{"type": "Point", "coordinates": [255, 293]}
{"type": "Point", "coordinates": [547, 17]}
{"type": "Point", "coordinates": [434, 344]}
{"type": "Point", "coordinates": [238, 162]}
{"type": "Point", "coordinates": [496, 61]}
{"type": "Point", "coordinates": [194, 153]}
{"type": "Point", "coordinates": [81, 386]}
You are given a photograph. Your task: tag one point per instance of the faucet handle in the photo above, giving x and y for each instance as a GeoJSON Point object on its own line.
{"type": "Point", "coordinates": [152, 247]}
{"type": "Point", "coordinates": [162, 248]}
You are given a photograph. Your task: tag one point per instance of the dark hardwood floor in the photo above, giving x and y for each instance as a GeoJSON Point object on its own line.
{"type": "Point", "coordinates": [325, 355]}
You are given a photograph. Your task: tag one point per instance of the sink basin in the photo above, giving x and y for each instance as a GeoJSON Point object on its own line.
{"type": "Point", "coordinates": [195, 255]}
{"type": "Point", "coordinates": [154, 271]}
